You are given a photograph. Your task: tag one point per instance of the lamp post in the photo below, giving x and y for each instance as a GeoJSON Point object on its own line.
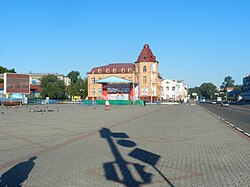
{"type": "Point", "coordinates": [151, 84]}
{"type": "Point", "coordinates": [93, 85]}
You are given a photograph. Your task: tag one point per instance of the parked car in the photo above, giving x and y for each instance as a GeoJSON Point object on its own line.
{"type": "Point", "coordinates": [213, 102]}
{"type": "Point", "coordinates": [224, 103]}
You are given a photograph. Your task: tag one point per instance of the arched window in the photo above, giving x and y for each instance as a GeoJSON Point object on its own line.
{"type": "Point", "coordinates": [107, 70]}
{"type": "Point", "coordinates": [114, 70]}
{"type": "Point", "coordinates": [144, 68]}
{"type": "Point", "coordinates": [99, 70]}
{"type": "Point", "coordinates": [129, 69]}
{"type": "Point", "coordinates": [123, 70]}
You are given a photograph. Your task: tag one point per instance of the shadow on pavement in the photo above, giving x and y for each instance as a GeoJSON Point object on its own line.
{"type": "Point", "coordinates": [120, 170]}
{"type": "Point", "coordinates": [16, 175]}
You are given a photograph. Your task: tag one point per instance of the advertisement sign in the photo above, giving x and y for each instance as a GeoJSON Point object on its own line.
{"type": "Point", "coordinates": [144, 91]}
{"type": "Point", "coordinates": [118, 96]}
{"type": "Point", "coordinates": [137, 92]}
{"type": "Point", "coordinates": [153, 78]}
{"type": "Point", "coordinates": [154, 91]}
{"type": "Point", "coordinates": [153, 67]}
{"type": "Point", "coordinates": [16, 83]}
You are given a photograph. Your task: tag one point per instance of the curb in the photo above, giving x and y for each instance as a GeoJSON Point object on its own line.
{"type": "Point", "coordinates": [227, 122]}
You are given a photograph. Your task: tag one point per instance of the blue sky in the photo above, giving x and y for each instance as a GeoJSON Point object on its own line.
{"type": "Point", "coordinates": [193, 40]}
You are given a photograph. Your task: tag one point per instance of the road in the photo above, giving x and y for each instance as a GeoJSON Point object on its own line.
{"type": "Point", "coordinates": [238, 115]}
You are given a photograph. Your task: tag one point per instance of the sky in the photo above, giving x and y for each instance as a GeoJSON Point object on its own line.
{"type": "Point", "coordinates": [196, 41]}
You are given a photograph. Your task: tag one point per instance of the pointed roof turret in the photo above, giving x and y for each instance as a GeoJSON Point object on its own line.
{"type": "Point", "coordinates": [146, 55]}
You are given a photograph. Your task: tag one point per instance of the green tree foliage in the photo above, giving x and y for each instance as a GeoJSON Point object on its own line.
{"type": "Point", "coordinates": [74, 76]}
{"type": "Point", "coordinates": [5, 70]}
{"type": "Point", "coordinates": [228, 82]}
{"type": "Point", "coordinates": [208, 90]}
{"type": "Point", "coordinates": [78, 88]}
{"type": "Point", "coordinates": [52, 87]}
{"type": "Point", "coordinates": [193, 90]}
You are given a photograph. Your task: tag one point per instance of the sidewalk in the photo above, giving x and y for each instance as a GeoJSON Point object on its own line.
{"type": "Point", "coordinates": [156, 145]}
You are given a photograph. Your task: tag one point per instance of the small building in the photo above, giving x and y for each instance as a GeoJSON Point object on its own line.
{"type": "Point", "coordinates": [246, 88]}
{"type": "Point", "coordinates": [35, 78]}
{"type": "Point", "coordinates": [173, 90]}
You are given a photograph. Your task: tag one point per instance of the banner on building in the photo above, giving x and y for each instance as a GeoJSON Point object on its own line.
{"type": "Point", "coordinates": [144, 91]}
{"type": "Point", "coordinates": [153, 67]}
{"type": "Point", "coordinates": [153, 77]}
{"type": "Point", "coordinates": [154, 91]}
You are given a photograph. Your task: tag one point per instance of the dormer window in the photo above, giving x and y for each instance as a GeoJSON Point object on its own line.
{"type": "Point", "coordinates": [114, 70]}
{"type": "Point", "coordinates": [129, 69]}
{"type": "Point", "coordinates": [107, 70]}
{"type": "Point", "coordinates": [123, 70]}
{"type": "Point", "coordinates": [144, 57]}
{"type": "Point", "coordinates": [99, 70]}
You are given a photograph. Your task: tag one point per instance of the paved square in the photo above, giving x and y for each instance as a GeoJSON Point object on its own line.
{"type": "Point", "coordinates": [156, 145]}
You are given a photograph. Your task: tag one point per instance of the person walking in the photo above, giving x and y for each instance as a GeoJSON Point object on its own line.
{"type": "Point", "coordinates": [107, 104]}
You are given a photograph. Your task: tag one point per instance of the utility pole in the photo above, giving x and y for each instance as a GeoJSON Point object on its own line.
{"type": "Point", "coordinates": [133, 81]}
{"type": "Point", "coordinates": [151, 84]}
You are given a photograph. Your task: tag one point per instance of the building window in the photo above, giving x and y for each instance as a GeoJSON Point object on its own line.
{"type": "Point", "coordinates": [144, 57]}
{"type": "Point", "coordinates": [123, 70]}
{"type": "Point", "coordinates": [99, 90]}
{"type": "Point", "coordinates": [167, 88]}
{"type": "Point", "coordinates": [107, 70]}
{"type": "Point", "coordinates": [93, 91]}
{"type": "Point", "coordinates": [114, 70]}
{"type": "Point", "coordinates": [93, 80]}
{"type": "Point", "coordinates": [144, 69]}
{"type": "Point", "coordinates": [129, 69]}
{"type": "Point", "coordinates": [99, 70]}
{"type": "Point", "coordinates": [144, 79]}
{"type": "Point", "coordinates": [173, 88]}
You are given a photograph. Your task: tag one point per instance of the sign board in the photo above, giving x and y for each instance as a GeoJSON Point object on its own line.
{"type": "Point", "coordinates": [153, 77]}
{"type": "Point", "coordinates": [16, 83]}
{"type": "Point", "coordinates": [144, 91]}
{"type": "Point", "coordinates": [153, 89]}
{"type": "Point", "coordinates": [153, 67]}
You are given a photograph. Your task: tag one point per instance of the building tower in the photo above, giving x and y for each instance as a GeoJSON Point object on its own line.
{"type": "Point", "coordinates": [147, 75]}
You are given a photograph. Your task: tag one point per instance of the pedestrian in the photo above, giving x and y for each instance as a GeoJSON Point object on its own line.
{"type": "Point", "coordinates": [107, 104]}
{"type": "Point", "coordinates": [144, 102]}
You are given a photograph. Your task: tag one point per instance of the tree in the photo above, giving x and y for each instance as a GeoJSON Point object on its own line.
{"type": "Point", "coordinates": [76, 88]}
{"type": "Point", "coordinates": [228, 82]}
{"type": "Point", "coordinates": [193, 90]}
{"type": "Point", "coordinates": [79, 88]}
{"type": "Point", "coordinates": [74, 76]}
{"type": "Point", "coordinates": [52, 87]}
{"type": "Point", "coordinates": [208, 90]}
{"type": "Point", "coordinates": [5, 70]}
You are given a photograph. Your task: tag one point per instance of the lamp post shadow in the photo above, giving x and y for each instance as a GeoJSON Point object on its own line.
{"type": "Point", "coordinates": [124, 175]}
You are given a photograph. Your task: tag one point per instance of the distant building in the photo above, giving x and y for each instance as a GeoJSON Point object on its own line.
{"type": "Point", "coordinates": [35, 78]}
{"type": "Point", "coordinates": [173, 90]}
{"type": "Point", "coordinates": [246, 88]}
{"type": "Point", "coordinates": [139, 80]}
{"type": "Point", "coordinates": [35, 83]}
